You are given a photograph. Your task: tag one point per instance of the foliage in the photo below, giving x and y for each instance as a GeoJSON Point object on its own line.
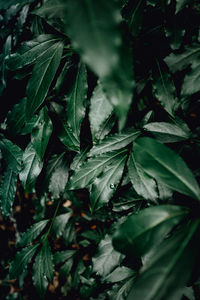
{"type": "Point", "coordinates": [99, 144]}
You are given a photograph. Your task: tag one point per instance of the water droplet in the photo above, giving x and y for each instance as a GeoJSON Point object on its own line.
{"type": "Point", "coordinates": [45, 277]}
{"type": "Point", "coordinates": [112, 186]}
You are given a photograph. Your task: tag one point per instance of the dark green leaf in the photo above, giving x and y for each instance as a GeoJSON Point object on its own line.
{"type": "Point", "coordinates": [41, 133]}
{"type": "Point", "coordinates": [67, 137]}
{"type": "Point", "coordinates": [66, 268]}
{"type": "Point", "coordinates": [107, 258]}
{"type": "Point", "coordinates": [8, 190]}
{"type": "Point", "coordinates": [32, 166]}
{"type": "Point", "coordinates": [12, 154]}
{"type": "Point", "coordinates": [106, 184]}
{"type": "Point", "coordinates": [31, 50]}
{"type": "Point", "coordinates": [60, 223]}
{"type": "Point", "coordinates": [143, 184]}
{"type": "Point", "coordinates": [43, 268]}
{"type": "Point", "coordinates": [42, 76]}
{"type": "Point", "coordinates": [134, 16]}
{"type": "Point", "coordinates": [140, 232]}
{"type": "Point", "coordinates": [180, 4]}
{"type": "Point", "coordinates": [76, 101]}
{"type": "Point", "coordinates": [119, 274]}
{"type": "Point", "coordinates": [21, 260]}
{"type": "Point", "coordinates": [167, 132]}
{"type": "Point", "coordinates": [166, 166]}
{"type": "Point", "coordinates": [100, 111]}
{"type": "Point", "coordinates": [29, 235]}
{"type": "Point", "coordinates": [61, 256]}
{"type": "Point", "coordinates": [163, 87]}
{"type": "Point", "coordinates": [58, 181]}
{"type": "Point", "coordinates": [191, 81]}
{"type": "Point", "coordinates": [78, 160]}
{"type": "Point", "coordinates": [92, 168]}
{"type": "Point", "coordinates": [8, 3]}
{"type": "Point", "coordinates": [115, 142]}
{"type": "Point", "coordinates": [160, 276]}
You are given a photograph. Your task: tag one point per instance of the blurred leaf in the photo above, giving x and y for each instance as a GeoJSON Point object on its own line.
{"type": "Point", "coordinates": [143, 231]}
{"type": "Point", "coordinates": [42, 76]}
{"type": "Point", "coordinates": [8, 3]}
{"type": "Point", "coordinates": [191, 81]}
{"type": "Point", "coordinates": [30, 234]}
{"type": "Point", "coordinates": [180, 4]}
{"type": "Point", "coordinates": [107, 258]}
{"type": "Point", "coordinates": [12, 154]}
{"type": "Point", "coordinates": [119, 274]}
{"type": "Point", "coordinates": [175, 256]}
{"type": "Point", "coordinates": [166, 166]}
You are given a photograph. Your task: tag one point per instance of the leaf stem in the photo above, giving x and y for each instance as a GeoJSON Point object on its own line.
{"type": "Point", "coordinates": [52, 221]}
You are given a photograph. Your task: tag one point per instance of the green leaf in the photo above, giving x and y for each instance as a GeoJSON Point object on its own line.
{"type": "Point", "coordinates": [100, 111]}
{"type": "Point", "coordinates": [8, 191]}
{"type": "Point", "coordinates": [32, 166]}
{"type": "Point", "coordinates": [166, 166]}
{"type": "Point", "coordinates": [115, 142]}
{"type": "Point", "coordinates": [21, 261]}
{"type": "Point", "coordinates": [180, 4]}
{"type": "Point", "coordinates": [43, 268]}
{"type": "Point", "coordinates": [42, 76]}
{"type": "Point", "coordinates": [78, 160]}
{"type": "Point", "coordinates": [30, 235]}
{"type": "Point", "coordinates": [41, 133]}
{"type": "Point", "coordinates": [87, 173]}
{"type": "Point", "coordinates": [12, 154]}
{"type": "Point", "coordinates": [106, 184]}
{"type": "Point", "coordinates": [91, 28]}
{"type": "Point", "coordinates": [134, 16]}
{"type": "Point", "coordinates": [30, 51]}
{"type": "Point", "coordinates": [175, 256]}
{"type": "Point", "coordinates": [143, 184]}
{"type": "Point", "coordinates": [62, 256]}
{"type": "Point", "coordinates": [67, 137]}
{"type": "Point", "coordinates": [141, 232]}
{"type": "Point", "coordinates": [66, 268]}
{"type": "Point", "coordinates": [58, 181]}
{"type": "Point", "coordinates": [119, 274]}
{"type": "Point", "coordinates": [163, 87]}
{"type": "Point", "coordinates": [76, 101]}
{"type": "Point", "coordinates": [8, 3]}
{"type": "Point", "coordinates": [60, 223]}
{"type": "Point", "coordinates": [178, 62]}
{"type": "Point", "coordinates": [167, 132]}
{"type": "Point", "coordinates": [107, 258]}
{"type": "Point", "coordinates": [191, 81]}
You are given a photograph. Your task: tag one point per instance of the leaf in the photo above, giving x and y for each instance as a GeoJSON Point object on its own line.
{"type": "Point", "coordinates": [60, 223]}
{"type": "Point", "coordinates": [107, 258]}
{"type": "Point", "coordinates": [66, 268]}
{"type": "Point", "coordinates": [100, 111]}
{"type": "Point", "coordinates": [30, 51]}
{"type": "Point", "coordinates": [142, 231]}
{"type": "Point", "coordinates": [176, 255]}
{"type": "Point", "coordinates": [167, 132]}
{"type": "Point", "coordinates": [119, 274]}
{"type": "Point", "coordinates": [8, 3]}
{"type": "Point", "coordinates": [87, 173]}
{"type": "Point", "coordinates": [8, 191]}
{"type": "Point", "coordinates": [163, 87]}
{"type": "Point", "coordinates": [32, 166]}
{"type": "Point", "coordinates": [166, 166]}
{"type": "Point", "coordinates": [91, 28]}
{"type": "Point", "coordinates": [41, 133]}
{"type": "Point", "coordinates": [21, 261]}
{"type": "Point", "coordinates": [180, 4]}
{"type": "Point", "coordinates": [62, 256]}
{"type": "Point", "coordinates": [58, 181]}
{"type": "Point", "coordinates": [191, 81]}
{"type": "Point", "coordinates": [134, 15]}
{"type": "Point", "coordinates": [105, 185]}
{"type": "Point", "coordinates": [43, 268]}
{"type": "Point", "coordinates": [67, 137]}
{"type": "Point", "coordinates": [143, 184]}
{"type": "Point", "coordinates": [42, 76]}
{"type": "Point", "coordinates": [178, 62]}
{"type": "Point", "coordinates": [76, 101]}
{"type": "Point", "coordinates": [115, 142]}
{"type": "Point", "coordinates": [12, 154]}
{"type": "Point", "coordinates": [30, 235]}
{"type": "Point", "coordinates": [78, 160]}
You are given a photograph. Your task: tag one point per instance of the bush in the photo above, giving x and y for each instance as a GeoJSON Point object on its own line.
{"type": "Point", "coordinates": [99, 149]}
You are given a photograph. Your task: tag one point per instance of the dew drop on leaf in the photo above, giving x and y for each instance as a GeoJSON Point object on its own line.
{"type": "Point", "coordinates": [112, 186]}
